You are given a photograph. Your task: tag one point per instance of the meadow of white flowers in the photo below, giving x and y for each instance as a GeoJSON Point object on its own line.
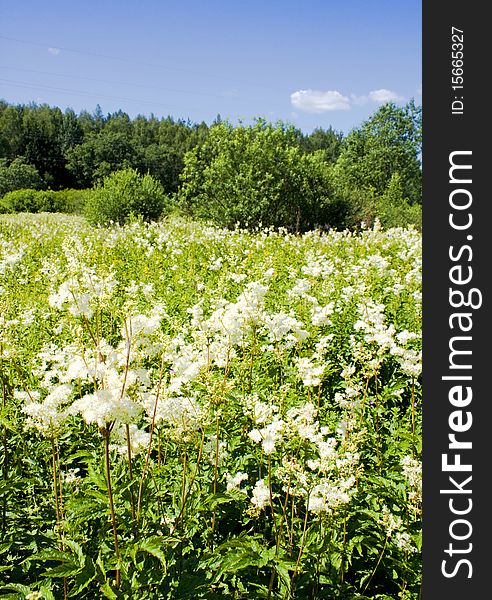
{"type": "Point", "coordinates": [191, 412]}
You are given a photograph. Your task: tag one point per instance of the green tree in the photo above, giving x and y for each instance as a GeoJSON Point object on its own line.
{"type": "Point", "coordinates": [256, 175]}
{"type": "Point", "coordinates": [99, 155]}
{"type": "Point", "coordinates": [17, 175]}
{"type": "Point", "coordinates": [42, 144]}
{"type": "Point", "coordinates": [328, 140]}
{"type": "Point", "coordinates": [389, 142]}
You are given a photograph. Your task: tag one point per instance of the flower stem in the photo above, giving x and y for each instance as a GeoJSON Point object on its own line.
{"type": "Point", "coordinates": [130, 469]}
{"type": "Point", "coordinates": [376, 567]}
{"type": "Point", "coordinates": [106, 433]}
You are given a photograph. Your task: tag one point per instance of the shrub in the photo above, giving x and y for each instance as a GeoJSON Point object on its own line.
{"type": "Point", "coordinates": [125, 193]}
{"type": "Point", "coordinates": [34, 201]}
{"type": "Point", "coordinates": [22, 201]}
{"type": "Point", "coordinates": [394, 210]}
{"type": "Point", "coordinates": [18, 175]}
{"type": "Point", "coordinates": [72, 201]}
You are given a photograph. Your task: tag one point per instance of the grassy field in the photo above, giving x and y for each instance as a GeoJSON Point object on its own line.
{"type": "Point", "coordinates": [190, 412]}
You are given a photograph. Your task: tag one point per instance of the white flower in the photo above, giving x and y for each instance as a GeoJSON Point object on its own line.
{"type": "Point", "coordinates": [255, 435]}
{"type": "Point", "coordinates": [310, 373]}
{"type": "Point", "coordinates": [105, 406]}
{"type": "Point", "coordinates": [234, 482]}
{"type": "Point", "coordinates": [261, 494]}
{"type": "Point", "coordinates": [320, 314]}
{"type": "Point", "coordinates": [139, 439]}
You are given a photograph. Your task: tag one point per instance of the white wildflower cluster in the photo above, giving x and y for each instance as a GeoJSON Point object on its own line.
{"type": "Point", "coordinates": [330, 482]}
{"type": "Point", "coordinates": [260, 495]}
{"type": "Point", "coordinates": [260, 412]}
{"type": "Point", "coordinates": [310, 372]}
{"type": "Point", "coordinates": [49, 415]}
{"type": "Point", "coordinates": [233, 482]}
{"type": "Point", "coordinates": [11, 255]}
{"type": "Point", "coordinates": [182, 415]}
{"type": "Point", "coordinates": [388, 341]}
{"type": "Point", "coordinates": [394, 528]}
{"type": "Point", "coordinates": [138, 438]}
{"type": "Point", "coordinates": [320, 315]}
{"type": "Point", "coordinates": [329, 496]}
{"type": "Point", "coordinates": [412, 471]}
{"type": "Point", "coordinates": [269, 435]}
{"type": "Point", "coordinates": [374, 327]}
{"type": "Point", "coordinates": [72, 477]}
{"type": "Point", "coordinates": [284, 327]}
{"type": "Point", "coordinates": [83, 293]}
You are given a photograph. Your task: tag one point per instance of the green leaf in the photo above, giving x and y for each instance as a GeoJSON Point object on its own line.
{"type": "Point", "coordinates": [17, 587]}
{"type": "Point", "coordinates": [108, 592]}
{"type": "Point", "coordinates": [46, 593]}
{"type": "Point", "coordinates": [84, 578]}
{"type": "Point", "coordinates": [156, 547]}
{"type": "Point", "coordinates": [65, 570]}
{"type": "Point", "coordinates": [77, 550]}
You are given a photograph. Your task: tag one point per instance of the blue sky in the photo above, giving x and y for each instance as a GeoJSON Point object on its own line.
{"type": "Point", "coordinates": [312, 63]}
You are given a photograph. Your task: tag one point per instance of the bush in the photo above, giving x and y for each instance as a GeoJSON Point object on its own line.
{"type": "Point", "coordinates": [125, 193]}
{"type": "Point", "coordinates": [72, 201]}
{"type": "Point", "coordinates": [259, 175]}
{"type": "Point", "coordinates": [18, 175]}
{"type": "Point", "coordinates": [22, 201]}
{"type": "Point", "coordinates": [394, 210]}
{"type": "Point", "coordinates": [34, 201]}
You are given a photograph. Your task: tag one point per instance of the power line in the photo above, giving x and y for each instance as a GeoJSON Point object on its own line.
{"type": "Point", "coordinates": [140, 85]}
{"type": "Point", "coordinates": [28, 85]}
{"type": "Point", "coordinates": [129, 60]}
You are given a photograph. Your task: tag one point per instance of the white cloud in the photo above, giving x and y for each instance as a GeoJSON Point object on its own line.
{"type": "Point", "coordinates": [313, 101]}
{"type": "Point", "coordinates": [382, 96]}
{"type": "Point", "coordinates": [54, 51]}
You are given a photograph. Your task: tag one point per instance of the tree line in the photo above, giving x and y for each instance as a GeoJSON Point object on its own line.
{"type": "Point", "coordinates": [273, 174]}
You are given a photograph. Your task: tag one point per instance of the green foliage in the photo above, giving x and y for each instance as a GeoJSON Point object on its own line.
{"type": "Point", "coordinates": [258, 176]}
{"type": "Point", "coordinates": [125, 193]}
{"type": "Point", "coordinates": [17, 175]}
{"type": "Point", "coordinates": [34, 201]}
{"type": "Point", "coordinates": [388, 143]}
{"type": "Point", "coordinates": [296, 180]}
{"type": "Point", "coordinates": [394, 210]}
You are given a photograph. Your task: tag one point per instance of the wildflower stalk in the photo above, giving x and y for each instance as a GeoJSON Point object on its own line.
{"type": "Point", "coordinates": [216, 470]}
{"type": "Point", "coordinates": [190, 485]}
{"type": "Point", "coordinates": [55, 463]}
{"type": "Point", "coordinates": [344, 546]}
{"type": "Point", "coordinates": [128, 333]}
{"type": "Point", "coordinates": [378, 436]}
{"type": "Point", "coordinates": [362, 409]}
{"type": "Point", "coordinates": [5, 465]}
{"type": "Point", "coordinates": [251, 360]}
{"type": "Point", "coordinates": [130, 469]}
{"type": "Point", "coordinates": [149, 448]}
{"type": "Point", "coordinates": [106, 431]}
{"type": "Point", "coordinates": [377, 565]}
{"type": "Point", "coordinates": [303, 540]}
{"type": "Point", "coordinates": [55, 489]}
{"type": "Point", "coordinates": [413, 406]}
{"type": "Point", "coordinates": [283, 520]}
